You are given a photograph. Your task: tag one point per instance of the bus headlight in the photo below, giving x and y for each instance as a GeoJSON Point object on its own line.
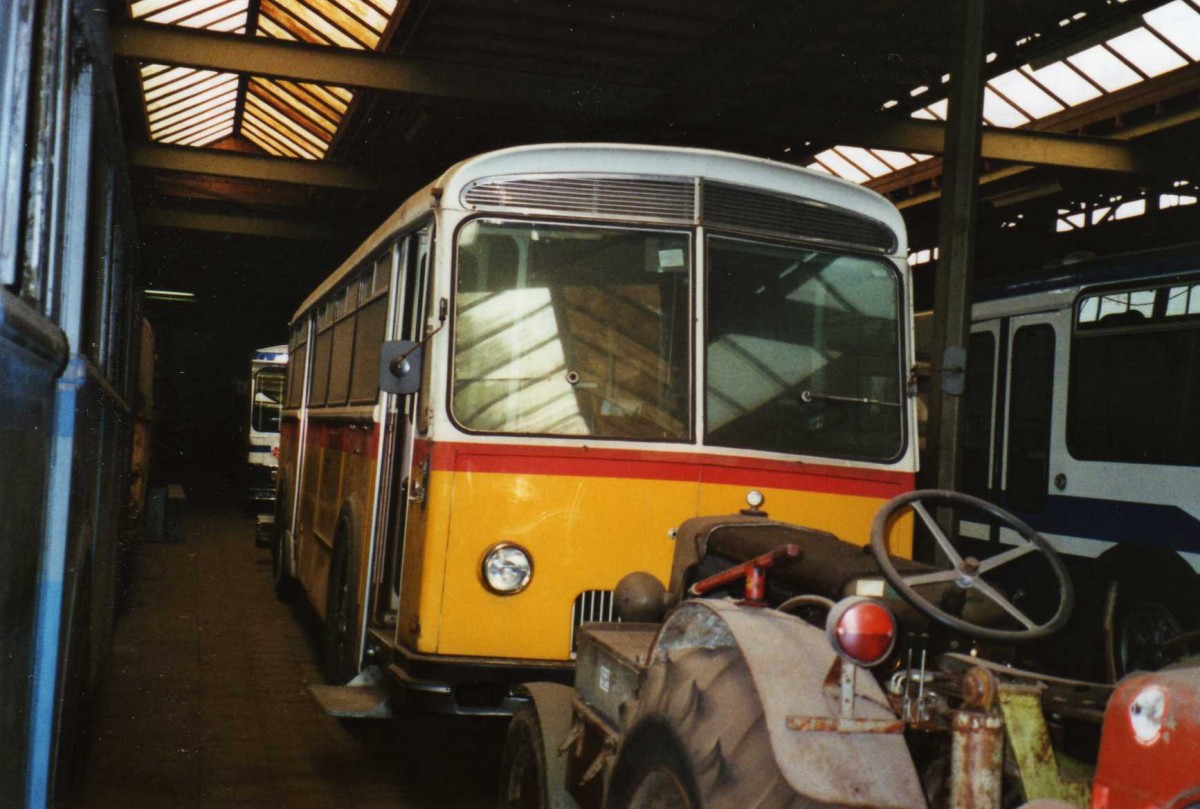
{"type": "Point", "coordinates": [506, 569]}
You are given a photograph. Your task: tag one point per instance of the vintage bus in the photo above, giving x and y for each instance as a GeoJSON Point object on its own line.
{"type": "Point", "coordinates": [268, 372]}
{"type": "Point", "coordinates": [69, 339]}
{"type": "Point", "coordinates": [589, 344]}
{"type": "Point", "coordinates": [1082, 410]}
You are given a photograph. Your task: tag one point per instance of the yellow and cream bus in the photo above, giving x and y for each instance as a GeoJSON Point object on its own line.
{"type": "Point", "coordinates": [544, 362]}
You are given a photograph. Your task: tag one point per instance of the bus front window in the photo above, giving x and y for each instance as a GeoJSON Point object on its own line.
{"type": "Point", "coordinates": [572, 331]}
{"type": "Point", "coordinates": [267, 397]}
{"type": "Point", "coordinates": [803, 351]}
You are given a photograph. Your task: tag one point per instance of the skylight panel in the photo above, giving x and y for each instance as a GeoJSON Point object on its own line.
{"type": "Point", "coordinates": [1065, 82]}
{"type": "Point", "coordinates": [897, 160]}
{"type": "Point", "coordinates": [1179, 23]}
{"type": "Point", "coordinates": [285, 118]}
{"type": "Point", "coordinates": [1024, 93]}
{"type": "Point", "coordinates": [1150, 54]}
{"type": "Point", "coordinates": [841, 167]}
{"type": "Point", "coordinates": [307, 25]}
{"type": "Point", "coordinates": [188, 13]}
{"type": "Point", "coordinates": [865, 160]}
{"type": "Point", "coordinates": [925, 115]}
{"type": "Point", "coordinates": [1000, 112]}
{"type": "Point", "coordinates": [1101, 66]}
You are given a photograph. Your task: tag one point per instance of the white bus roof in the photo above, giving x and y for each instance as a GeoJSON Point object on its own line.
{"type": "Point", "coordinates": [616, 158]}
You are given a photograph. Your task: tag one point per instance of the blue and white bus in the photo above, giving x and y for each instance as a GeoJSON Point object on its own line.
{"type": "Point", "coordinates": [268, 373]}
{"type": "Point", "coordinates": [68, 363]}
{"type": "Point", "coordinates": [1083, 418]}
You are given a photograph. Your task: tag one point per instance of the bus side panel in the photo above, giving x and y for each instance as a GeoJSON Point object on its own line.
{"type": "Point", "coordinates": [26, 402]}
{"type": "Point", "coordinates": [360, 457]}
{"type": "Point", "coordinates": [312, 550]}
{"type": "Point", "coordinates": [289, 452]}
{"type": "Point", "coordinates": [345, 456]}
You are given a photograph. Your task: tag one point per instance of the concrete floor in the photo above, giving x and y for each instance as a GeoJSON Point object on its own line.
{"type": "Point", "coordinates": [204, 703]}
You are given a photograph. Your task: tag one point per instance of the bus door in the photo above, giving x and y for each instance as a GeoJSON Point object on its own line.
{"type": "Point", "coordinates": [397, 488]}
{"type": "Point", "coordinates": [1009, 405]}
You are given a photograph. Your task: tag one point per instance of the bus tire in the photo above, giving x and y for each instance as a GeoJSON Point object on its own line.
{"type": "Point", "coordinates": [281, 549]}
{"type": "Point", "coordinates": [341, 608]}
{"type": "Point", "coordinates": [533, 772]}
{"type": "Point", "coordinates": [281, 575]}
{"type": "Point", "coordinates": [1154, 604]}
{"type": "Point", "coordinates": [699, 738]}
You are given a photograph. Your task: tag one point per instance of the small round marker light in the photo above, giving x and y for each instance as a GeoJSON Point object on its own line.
{"type": "Point", "coordinates": [861, 630]}
{"type": "Point", "coordinates": [506, 569]}
{"type": "Point", "coordinates": [754, 499]}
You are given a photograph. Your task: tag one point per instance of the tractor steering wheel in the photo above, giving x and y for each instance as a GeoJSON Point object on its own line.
{"type": "Point", "coordinates": [968, 572]}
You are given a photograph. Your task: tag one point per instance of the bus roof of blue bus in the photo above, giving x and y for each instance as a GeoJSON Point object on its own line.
{"type": "Point", "coordinates": [1094, 271]}
{"type": "Point", "coordinates": [612, 158]}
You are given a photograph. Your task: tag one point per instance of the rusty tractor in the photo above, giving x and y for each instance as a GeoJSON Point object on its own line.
{"type": "Point", "coordinates": [793, 669]}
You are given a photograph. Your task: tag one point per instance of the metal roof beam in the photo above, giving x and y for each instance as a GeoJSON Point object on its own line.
{"type": "Point", "coordinates": [343, 67]}
{"type": "Point", "coordinates": [235, 225]}
{"type": "Point", "coordinates": [192, 160]}
{"type": "Point", "coordinates": [1011, 145]}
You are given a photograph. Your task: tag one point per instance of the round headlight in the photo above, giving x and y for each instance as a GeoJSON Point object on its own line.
{"type": "Point", "coordinates": [507, 569]}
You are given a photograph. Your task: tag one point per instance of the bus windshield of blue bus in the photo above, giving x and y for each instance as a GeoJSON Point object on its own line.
{"type": "Point", "coordinates": [268, 394]}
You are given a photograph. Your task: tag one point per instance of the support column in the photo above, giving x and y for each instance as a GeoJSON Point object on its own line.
{"type": "Point", "coordinates": [956, 246]}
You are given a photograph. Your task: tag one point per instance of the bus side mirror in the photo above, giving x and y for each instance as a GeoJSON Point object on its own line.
{"type": "Point", "coordinates": [400, 367]}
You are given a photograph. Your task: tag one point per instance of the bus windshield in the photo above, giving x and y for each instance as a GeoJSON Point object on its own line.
{"type": "Point", "coordinates": [803, 351]}
{"type": "Point", "coordinates": [268, 395]}
{"type": "Point", "coordinates": [572, 330]}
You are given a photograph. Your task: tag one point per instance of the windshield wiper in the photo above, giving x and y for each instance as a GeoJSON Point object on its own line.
{"type": "Point", "coordinates": [808, 396]}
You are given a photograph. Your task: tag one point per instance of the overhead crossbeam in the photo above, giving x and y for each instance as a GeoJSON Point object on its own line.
{"type": "Point", "coordinates": [1010, 145]}
{"type": "Point", "coordinates": [235, 225]}
{"type": "Point", "coordinates": [220, 163]}
{"type": "Point", "coordinates": [343, 67]}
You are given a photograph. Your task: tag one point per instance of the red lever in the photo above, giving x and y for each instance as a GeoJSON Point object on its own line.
{"type": "Point", "coordinates": [753, 569]}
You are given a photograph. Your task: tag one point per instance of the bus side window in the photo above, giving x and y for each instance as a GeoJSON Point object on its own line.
{"type": "Point", "coordinates": [979, 403]}
{"type": "Point", "coordinates": [1032, 394]}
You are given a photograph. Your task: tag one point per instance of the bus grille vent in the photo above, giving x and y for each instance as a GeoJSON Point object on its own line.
{"type": "Point", "coordinates": [727, 206]}
{"type": "Point", "coordinates": [670, 200]}
{"type": "Point", "coordinates": [591, 606]}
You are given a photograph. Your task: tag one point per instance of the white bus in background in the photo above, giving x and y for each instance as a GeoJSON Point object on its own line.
{"type": "Point", "coordinates": [1083, 418]}
{"type": "Point", "coordinates": [268, 372]}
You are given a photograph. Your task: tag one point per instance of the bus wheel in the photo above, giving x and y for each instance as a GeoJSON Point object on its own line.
{"type": "Point", "coordinates": [340, 611]}
{"type": "Point", "coordinates": [285, 585]}
{"type": "Point", "coordinates": [699, 738]}
{"type": "Point", "coordinates": [1154, 605]}
{"type": "Point", "coordinates": [532, 769]}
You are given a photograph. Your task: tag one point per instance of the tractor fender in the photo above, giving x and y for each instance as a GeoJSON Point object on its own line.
{"type": "Point", "coordinates": [789, 662]}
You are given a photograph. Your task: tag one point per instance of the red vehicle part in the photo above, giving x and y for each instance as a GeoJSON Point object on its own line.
{"type": "Point", "coordinates": [754, 570]}
{"type": "Point", "coordinates": [1150, 750]}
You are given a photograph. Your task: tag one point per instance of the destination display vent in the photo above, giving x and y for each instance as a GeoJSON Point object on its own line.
{"type": "Point", "coordinates": [669, 200]}
{"type": "Point", "coordinates": [734, 208]}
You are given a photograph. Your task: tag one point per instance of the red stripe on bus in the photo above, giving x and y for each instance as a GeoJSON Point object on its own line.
{"type": "Point", "coordinates": [343, 437]}
{"type": "Point", "coordinates": [669, 466]}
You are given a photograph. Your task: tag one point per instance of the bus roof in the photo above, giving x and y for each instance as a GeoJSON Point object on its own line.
{"type": "Point", "coordinates": [1069, 279]}
{"type": "Point", "coordinates": [276, 354]}
{"type": "Point", "coordinates": [617, 158]}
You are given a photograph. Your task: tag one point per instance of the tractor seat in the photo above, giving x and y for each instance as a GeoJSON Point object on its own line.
{"type": "Point", "coordinates": [1075, 699]}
